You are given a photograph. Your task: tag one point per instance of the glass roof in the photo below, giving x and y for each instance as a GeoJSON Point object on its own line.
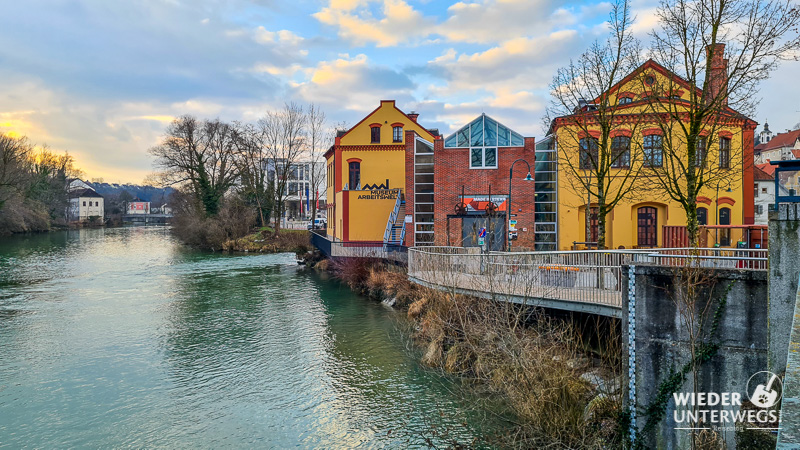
{"type": "Point", "coordinates": [484, 132]}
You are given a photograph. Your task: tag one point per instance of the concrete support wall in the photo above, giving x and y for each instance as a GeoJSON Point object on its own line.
{"type": "Point", "coordinates": [784, 269]}
{"type": "Point", "coordinates": [655, 330]}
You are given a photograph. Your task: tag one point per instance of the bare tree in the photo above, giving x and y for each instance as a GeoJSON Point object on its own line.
{"type": "Point", "coordinates": [719, 51]}
{"type": "Point", "coordinates": [317, 133]}
{"type": "Point", "coordinates": [252, 159]}
{"type": "Point", "coordinates": [15, 156]}
{"type": "Point", "coordinates": [284, 134]}
{"type": "Point", "coordinates": [200, 156]}
{"type": "Point", "coordinates": [605, 168]}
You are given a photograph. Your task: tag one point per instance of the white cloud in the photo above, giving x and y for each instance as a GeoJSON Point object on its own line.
{"type": "Point", "coordinates": [400, 22]}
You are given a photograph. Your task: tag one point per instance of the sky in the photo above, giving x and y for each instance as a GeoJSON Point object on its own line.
{"type": "Point", "coordinates": [101, 79]}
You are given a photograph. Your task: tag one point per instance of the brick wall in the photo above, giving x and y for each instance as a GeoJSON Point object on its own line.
{"type": "Point", "coordinates": [452, 171]}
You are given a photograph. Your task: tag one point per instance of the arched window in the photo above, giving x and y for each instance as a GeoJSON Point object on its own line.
{"type": "Point", "coordinates": [355, 174]}
{"type": "Point", "coordinates": [621, 151]}
{"type": "Point", "coordinates": [625, 100]}
{"type": "Point", "coordinates": [702, 216]}
{"type": "Point", "coordinates": [725, 216]}
{"type": "Point", "coordinates": [375, 134]}
{"type": "Point", "coordinates": [647, 226]}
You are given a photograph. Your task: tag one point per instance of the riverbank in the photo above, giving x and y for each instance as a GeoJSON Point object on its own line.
{"type": "Point", "coordinates": [267, 241]}
{"type": "Point", "coordinates": [539, 367]}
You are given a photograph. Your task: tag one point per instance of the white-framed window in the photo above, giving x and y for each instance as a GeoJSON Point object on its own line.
{"type": "Point", "coordinates": [397, 134]}
{"type": "Point", "coordinates": [483, 158]}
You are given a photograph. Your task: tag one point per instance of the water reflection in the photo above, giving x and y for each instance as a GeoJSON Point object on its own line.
{"type": "Point", "coordinates": [121, 337]}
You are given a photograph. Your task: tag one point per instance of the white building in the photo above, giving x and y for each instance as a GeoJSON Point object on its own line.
{"type": "Point", "coordinates": [782, 147]}
{"type": "Point", "coordinates": [84, 204]}
{"type": "Point", "coordinates": [764, 191]}
{"type": "Point", "coordinates": [301, 195]}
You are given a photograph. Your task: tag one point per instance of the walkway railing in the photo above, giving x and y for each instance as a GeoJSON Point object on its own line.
{"type": "Point", "coordinates": [592, 276]}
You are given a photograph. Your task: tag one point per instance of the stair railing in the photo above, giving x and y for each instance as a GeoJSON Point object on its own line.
{"type": "Point", "coordinates": [387, 234]}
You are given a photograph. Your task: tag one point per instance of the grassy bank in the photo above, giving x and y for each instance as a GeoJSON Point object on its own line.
{"type": "Point", "coordinates": [561, 395]}
{"type": "Point", "coordinates": [267, 241]}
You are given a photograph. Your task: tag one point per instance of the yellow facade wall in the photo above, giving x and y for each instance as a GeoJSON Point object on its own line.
{"type": "Point", "coordinates": [369, 213]}
{"type": "Point", "coordinates": [622, 221]}
{"type": "Point", "coordinates": [377, 166]}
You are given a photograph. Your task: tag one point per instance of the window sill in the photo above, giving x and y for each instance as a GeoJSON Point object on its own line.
{"type": "Point", "coordinates": [483, 167]}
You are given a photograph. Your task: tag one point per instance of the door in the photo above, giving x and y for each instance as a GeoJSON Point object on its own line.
{"type": "Point", "coordinates": [495, 231]}
{"type": "Point", "coordinates": [647, 226]}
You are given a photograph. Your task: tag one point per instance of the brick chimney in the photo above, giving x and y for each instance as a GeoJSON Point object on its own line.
{"type": "Point", "coordinates": [413, 116]}
{"type": "Point", "coordinates": [718, 75]}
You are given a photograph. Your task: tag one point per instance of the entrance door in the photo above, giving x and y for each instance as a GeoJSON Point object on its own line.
{"type": "Point", "coordinates": [647, 227]}
{"type": "Point", "coordinates": [495, 231]}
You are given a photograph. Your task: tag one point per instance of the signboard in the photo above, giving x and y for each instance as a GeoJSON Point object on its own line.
{"type": "Point", "coordinates": [378, 195]}
{"type": "Point", "coordinates": [408, 218]}
{"type": "Point", "coordinates": [512, 225]}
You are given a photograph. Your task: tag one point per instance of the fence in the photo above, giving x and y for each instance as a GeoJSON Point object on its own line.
{"type": "Point", "coordinates": [592, 276]}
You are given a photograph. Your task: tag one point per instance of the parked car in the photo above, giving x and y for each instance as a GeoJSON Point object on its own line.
{"type": "Point", "coordinates": [318, 224]}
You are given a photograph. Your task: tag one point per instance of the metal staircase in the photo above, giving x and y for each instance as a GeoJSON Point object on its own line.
{"type": "Point", "coordinates": [395, 232]}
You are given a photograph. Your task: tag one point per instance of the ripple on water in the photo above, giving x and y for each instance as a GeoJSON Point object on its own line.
{"type": "Point", "coordinates": [122, 338]}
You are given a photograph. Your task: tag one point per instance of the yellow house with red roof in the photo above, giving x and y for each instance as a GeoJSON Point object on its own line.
{"type": "Point", "coordinates": [367, 176]}
{"type": "Point", "coordinates": [648, 217]}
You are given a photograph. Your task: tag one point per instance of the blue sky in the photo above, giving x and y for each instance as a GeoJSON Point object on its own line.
{"type": "Point", "coordinates": [102, 78]}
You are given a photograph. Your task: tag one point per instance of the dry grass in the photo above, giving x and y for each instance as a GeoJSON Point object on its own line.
{"type": "Point", "coordinates": [533, 363]}
{"type": "Point", "coordinates": [265, 241]}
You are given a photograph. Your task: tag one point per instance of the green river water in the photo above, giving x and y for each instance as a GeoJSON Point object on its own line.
{"type": "Point", "coordinates": [124, 338]}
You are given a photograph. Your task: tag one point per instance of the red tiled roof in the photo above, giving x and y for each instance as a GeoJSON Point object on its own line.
{"type": "Point", "coordinates": [761, 146]}
{"type": "Point", "coordinates": [767, 168]}
{"type": "Point", "coordinates": [760, 175]}
{"type": "Point", "coordinates": [783, 140]}
{"type": "Point", "coordinates": [796, 153]}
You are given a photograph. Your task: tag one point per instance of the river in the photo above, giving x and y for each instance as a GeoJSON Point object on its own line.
{"type": "Point", "coordinates": [124, 338]}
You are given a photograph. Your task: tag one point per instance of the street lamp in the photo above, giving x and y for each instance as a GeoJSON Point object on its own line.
{"type": "Point", "coordinates": [508, 207]}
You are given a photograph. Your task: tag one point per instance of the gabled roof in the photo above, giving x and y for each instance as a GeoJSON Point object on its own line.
{"type": "Point", "coordinates": [652, 65]}
{"type": "Point", "coordinates": [783, 140]}
{"type": "Point", "coordinates": [380, 105]}
{"type": "Point", "coordinates": [84, 193]}
{"type": "Point", "coordinates": [484, 131]}
{"type": "Point", "coordinates": [768, 169]}
{"type": "Point", "coordinates": [760, 175]}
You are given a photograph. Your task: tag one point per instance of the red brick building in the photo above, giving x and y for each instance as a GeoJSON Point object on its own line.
{"type": "Point", "coordinates": [459, 186]}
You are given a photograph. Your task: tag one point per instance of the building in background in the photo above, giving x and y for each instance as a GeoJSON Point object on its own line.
{"type": "Point", "coordinates": [85, 204]}
{"type": "Point", "coordinates": [763, 191]}
{"type": "Point", "coordinates": [138, 207]}
{"type": "Point", "coordinates": [301, 194]}
{"type": "Point", "coordinates": [782, 147]}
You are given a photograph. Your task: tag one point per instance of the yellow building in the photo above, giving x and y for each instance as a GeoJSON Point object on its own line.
{"type": "Point", "coordinates": [648, 217]}
{"type": "Point", "coordinates": [366, 173]}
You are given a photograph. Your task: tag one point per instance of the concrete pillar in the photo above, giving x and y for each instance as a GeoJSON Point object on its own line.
{"type": "Point", "coordinates": [784, 269]}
